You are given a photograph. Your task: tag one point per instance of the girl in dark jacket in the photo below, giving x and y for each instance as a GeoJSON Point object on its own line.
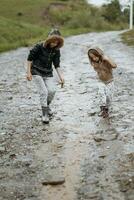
{"type": "Point", "coordinates": [39, 67]}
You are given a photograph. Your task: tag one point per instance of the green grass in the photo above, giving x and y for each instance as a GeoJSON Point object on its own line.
{"type": "Point", "coordinates": [14, 34]}
{"type": "Point", "coordinates": [27, 22]}
{"type": "Point", "coordinates": [128, 37]}
{"type": "Point", "coordinates": [28, 11]}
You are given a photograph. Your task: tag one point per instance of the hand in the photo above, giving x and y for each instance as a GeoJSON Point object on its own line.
{"type": "Point", "coordinates": [29, 77]}
{"type": "Point", "coordinates": [62, 82]}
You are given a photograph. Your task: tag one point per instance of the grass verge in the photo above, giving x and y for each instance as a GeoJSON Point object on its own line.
{"type": "Point", "coordinates": [128, 37]}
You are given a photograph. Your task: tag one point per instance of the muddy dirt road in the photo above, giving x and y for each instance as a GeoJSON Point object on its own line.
{"type": "Point", "coordinates": [78, 156]}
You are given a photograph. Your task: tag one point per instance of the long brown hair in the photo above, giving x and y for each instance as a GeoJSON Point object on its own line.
{"type": "Point", "coordinates": [54, 38]}
{"type": "Point", "coordinates": [96, 53]}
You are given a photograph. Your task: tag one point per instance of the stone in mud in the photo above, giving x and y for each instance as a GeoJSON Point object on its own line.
{"type": "Point", "coordinates": [83, 92]}
{"type": "Point", "coordinates": [53, 180]}
{"type": "Point", "coordinates": [87, 193]}
{"type": "Point", "coordinates": [10, 98]}
{"type": "Point", "coordinates": [92, 114]}
{"type": "Point", "coordinates": [126, 184]}
{"type": "Point", "coordinates": [2, 149]}
{"type": "Point", "coordinates": [98, 139]}
{"type": "Point", "coordinates": [45, 140]}
{"type": "Point", "coordinates": [102, 155]}
{"type": "Point", "coordinates": [106, 135]}
{"type": "Point", "coordinates": [33, 134]}
{"type": "Point", "coordinates": [60, 145]}
{"type": "Point", "coordinates": [12, 156]}
{"type": "Point", "coordinates": [24, 161]}
{"type": "Point", "coordinates": [129, 150]}
{"type": "Point", "coordinates": [2, 133]}
{"type": "Point", "coordinates": [58, 119]}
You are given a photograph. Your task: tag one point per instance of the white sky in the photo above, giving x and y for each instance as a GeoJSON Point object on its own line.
{"type": "Point", "coordinates": [99, 2]}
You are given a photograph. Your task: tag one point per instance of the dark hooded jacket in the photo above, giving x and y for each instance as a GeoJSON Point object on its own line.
{"type": "Point", "coordinates": [42, 57]}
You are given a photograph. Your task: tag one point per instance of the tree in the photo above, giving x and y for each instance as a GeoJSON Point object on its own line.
{"type": "Point", "coordinates": [126, 13]}
{"type": "Point", "coordinates": [112, 11]}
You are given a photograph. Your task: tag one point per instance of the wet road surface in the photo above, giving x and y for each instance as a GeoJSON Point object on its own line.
{"type": "Point", "coordinates": [78, 156]}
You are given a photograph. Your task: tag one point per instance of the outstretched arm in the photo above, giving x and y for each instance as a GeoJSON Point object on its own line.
{"type": "Point", "coordinates": [29, 75]}
{"type": "Point", "coordinates": [56, 62]}
{"type": "Point", "coordinates": [60, 76]}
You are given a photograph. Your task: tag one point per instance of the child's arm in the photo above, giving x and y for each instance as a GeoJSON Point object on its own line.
{"type": "Point", "coordinates": [110, 61]}
{"type": "Point", "coordinates": [29, 75]}
{"type": "Point", "coordinates": [95, 66]}
{"type": "Point", "coordinates": [56, 62]}
{"type": "Point", "coordinates": [60, 76]}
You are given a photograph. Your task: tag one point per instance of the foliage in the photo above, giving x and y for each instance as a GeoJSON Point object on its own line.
{"type": "Point", "coordinates": [29, 21]}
